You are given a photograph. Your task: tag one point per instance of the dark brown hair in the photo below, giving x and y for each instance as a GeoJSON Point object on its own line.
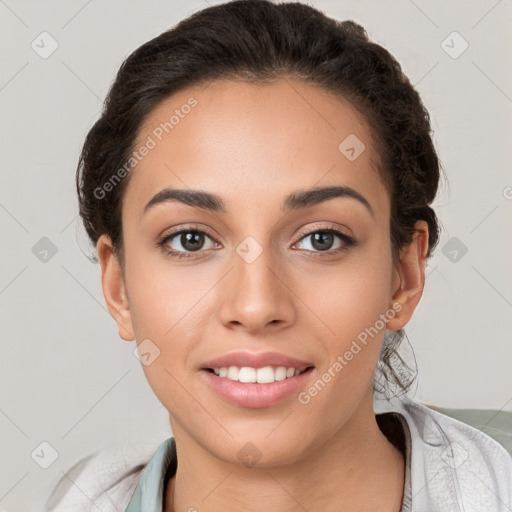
{"type": "Point", "coordinates": [260, 41]}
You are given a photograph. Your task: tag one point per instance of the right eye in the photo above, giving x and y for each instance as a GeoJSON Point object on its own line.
{"type": "Point", "coordinates": [191, 240]}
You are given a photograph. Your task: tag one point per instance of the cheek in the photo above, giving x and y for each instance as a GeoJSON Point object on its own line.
{"type": "Point", "coordinates": [351, 296]}
{"type": "Point", "coordinates": [161, 308]}
{"type": "Point", "coordinates": [164, 321]}
{"type": "Point", "coordinates": [352, 306]}
{"type": "Point", "coordinates": [353, 303]}
{"type": "Point", "coordinates": [160, 292]}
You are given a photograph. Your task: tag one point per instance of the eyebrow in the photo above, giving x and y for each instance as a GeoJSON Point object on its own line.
{"type": "Point", "coordinates": [297, 200]}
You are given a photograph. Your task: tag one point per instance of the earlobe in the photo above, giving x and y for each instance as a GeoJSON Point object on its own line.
{"type": "Point", "coordinates": [114, 290]}
{"type": "Point", "coordinates": [410, 274]}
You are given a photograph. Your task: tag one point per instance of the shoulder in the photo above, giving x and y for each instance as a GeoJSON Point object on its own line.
{"type": "Point", "coordinates": [458, 464]}
{"type": "Point", "coordinates": [436, 427]}
{"type": "Point", "coordinates": [104, 480]}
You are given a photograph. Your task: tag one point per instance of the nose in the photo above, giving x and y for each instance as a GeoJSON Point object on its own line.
{"type": "Point", "coordinates": [257, 294]}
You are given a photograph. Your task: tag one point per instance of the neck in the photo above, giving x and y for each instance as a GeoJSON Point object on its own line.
{"type": "Point", "coordinates": [356, 469]}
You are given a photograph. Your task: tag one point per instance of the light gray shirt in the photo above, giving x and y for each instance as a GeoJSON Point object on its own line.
{"type": "Point", "coordinates": [450, 467]}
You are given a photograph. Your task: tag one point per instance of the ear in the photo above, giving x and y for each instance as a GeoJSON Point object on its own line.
{"type": "Point", "coordinates": [114, 291]}
{"type": "Point", "coordinates": [409, 277]}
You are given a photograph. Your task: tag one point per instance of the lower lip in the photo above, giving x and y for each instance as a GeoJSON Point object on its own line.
{"type": "Point", "coordinates": [253, 394]}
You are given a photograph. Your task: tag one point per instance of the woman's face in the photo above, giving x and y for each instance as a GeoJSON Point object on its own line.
{"type": "Point", "coordinates": [266, 277]}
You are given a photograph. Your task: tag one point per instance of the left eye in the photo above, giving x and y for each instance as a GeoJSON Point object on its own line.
{"type": "Point", "coordinates": [322, 240]}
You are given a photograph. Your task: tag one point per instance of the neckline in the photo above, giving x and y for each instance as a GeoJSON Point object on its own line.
{"type": "Point", "coordinates": [164, 462]}
{"type": "Point", "coordinates": [392, 424]}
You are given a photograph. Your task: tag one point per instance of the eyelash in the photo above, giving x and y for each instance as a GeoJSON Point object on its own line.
{"type": "Point", "coordinates": [346, 239]}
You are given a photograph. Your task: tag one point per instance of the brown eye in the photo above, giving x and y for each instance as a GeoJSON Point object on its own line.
{"type": "Point", "coordinates": [192, 240]}
{"type": "Point", "coordinates": [181, 243]}
{"type": "Point", "coordinates": [324, 239]}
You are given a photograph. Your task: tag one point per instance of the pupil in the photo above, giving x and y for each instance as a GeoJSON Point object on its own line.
{"type": "Point", "coordinates": [192, 241]}
{"type": "Point", "coordinates": [320, 238]}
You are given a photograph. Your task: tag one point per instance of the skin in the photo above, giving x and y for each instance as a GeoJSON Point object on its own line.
{"type": "Point", "coordinates": [253, 145]}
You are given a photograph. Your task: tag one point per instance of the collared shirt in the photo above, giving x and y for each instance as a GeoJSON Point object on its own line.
{"type": "Point", "coordinates": [450, 467]}
{"type": "Point", "coordinates": [149, 494]}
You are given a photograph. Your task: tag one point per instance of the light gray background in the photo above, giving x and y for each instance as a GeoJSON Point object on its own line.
{"type": "Point", "coordinates": [66, 376]}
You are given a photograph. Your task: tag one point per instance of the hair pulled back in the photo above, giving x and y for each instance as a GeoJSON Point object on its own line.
{"type": "Point", "coordinates": [261, 41]}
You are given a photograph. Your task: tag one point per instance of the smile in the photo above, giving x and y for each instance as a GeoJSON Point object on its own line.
{"type": "Point", "coordinates": [248, 374]}
{"type": "Point", "coordinates": [240, 385]}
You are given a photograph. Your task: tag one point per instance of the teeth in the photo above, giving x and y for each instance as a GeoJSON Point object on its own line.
{"type": "Point", "coordinates": [247, 374]}
{"type": "Point", "coordinates": [265, 375]}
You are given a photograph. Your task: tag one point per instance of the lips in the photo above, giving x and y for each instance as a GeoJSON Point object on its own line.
{"type": "Point", "coordinates": [256, 395]}
{"type": "Point", "coordinates": [256, 360]}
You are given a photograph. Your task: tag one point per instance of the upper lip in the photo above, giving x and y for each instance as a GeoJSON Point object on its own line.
{"type": "Point", "coordinates": [256, 360]}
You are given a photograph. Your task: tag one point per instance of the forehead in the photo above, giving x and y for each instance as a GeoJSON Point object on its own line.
{"type": "Point", "coordinates": [241, 139]}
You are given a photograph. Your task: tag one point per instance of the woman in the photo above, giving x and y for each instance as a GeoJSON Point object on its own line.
{"type": "Point", "coordinates": [258, 188]}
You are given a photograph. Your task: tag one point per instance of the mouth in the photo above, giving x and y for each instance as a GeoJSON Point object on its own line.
{"type": "Point", "coordinates": [255, 380]}
{"type": "Point", "coordinates": [256, 388]}
{"type": "Point", "coordinates": [261, 375]}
